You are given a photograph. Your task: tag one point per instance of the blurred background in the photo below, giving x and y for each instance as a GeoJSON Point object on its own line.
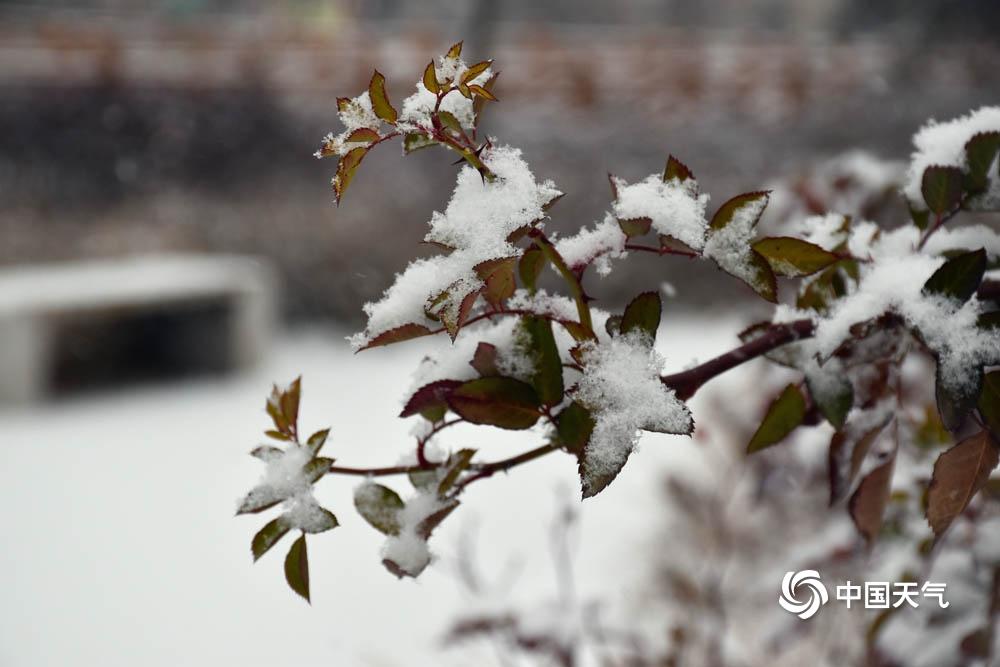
{"type": "Point", "coordinates": [169, 246]}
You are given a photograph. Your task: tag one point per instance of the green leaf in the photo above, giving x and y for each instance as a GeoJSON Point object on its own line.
{"type": "Point", "coordinates": [277, 435]}
{"type": "Point", "coordinates": [941, 188]}
{"type": "Point", "coordinates": [455, 51]}
{"type": "Point", "coordinates": [955, 402]}
{"type": "Point", "coordinates": [958, 475]}
{"type": "Point", "coordinates": [316, 468]}
{"type": "Point", "coordinates": [980, 151]}
{"type": "Point", "coordinates": [380, 100]}
{"type": "Point", "coordinates": [921, 218]}
{"type": "Point", "coordinates": [635, 226]}
{"type": "Point", "coordinates": [346, 169]}
{"type": "Point", "coordinates": [726, 212]}
{"type": "Point", "coordinates": [498, 275]}
{"type": "Point", "coordinates": [530, 267]}
{"type": "Point", "coordinates": [430, 79]}
{"type": "Point", "coordinates": [959, 277]}
{"type": "Point", "coordinates": [613, 325]}
{"type": "Point", "coordinates": [783, 416]}
{"type": "Point", "coordinates": [482, 92]}
{"type": "Point", "coordinates": [448, 120]}
{"type": "Point", "coordinates": [643, 314]}
{"type": "Point", "coordinates": [573, 428]}
{"type": "Point", "coordinates": [297, 568]}
{"type": "Point", "coordinates": [793, 257]}
{"type": "Point", "coordinates": [268, 536]}
{"type": "Point", "coordinates": [763, 281]}
{"type": "Point", "coordinates": [497, 401]}
{"type": "Point", "coordinates": [317, 440]}
{"type": "Point", "coordinates": [548, 376]}
{"type": "Point", "coordinates": [480, 100]}
{"type": "Point", "coordinates": [414, 141]}
{"type": "Point", "coordinates": [362, 135]}
{"type": "Point", "coordinates": [430, 400]}
{"type": "Point", "coordinates": [475, 70]}
{"type": "Point", "coordinates": [457, 464]}
{"type": "Point", "coordinates": [833, 395]}
{"type": "Point", "coordinates": [989, 402]}
{"type": "Point", "coordinates": [379, 506]}
{"type": "Point", "coordinates": [676, 169]}
{"type": "Point", "coordinates": [397, 335]}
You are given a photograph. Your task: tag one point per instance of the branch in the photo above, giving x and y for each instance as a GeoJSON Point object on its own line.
{"type": "Point", "coordinates": [686, 383]}
{"type": "Point", "coordinates": [572, 280]}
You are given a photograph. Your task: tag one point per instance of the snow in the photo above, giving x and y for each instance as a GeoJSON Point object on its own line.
{"type": "Point", "coordinates": [600, 244]}
{"type": "Point", "coordinates": [476, 223]}
{"type": "Point", "coordinates": [675, 207]}
{"type": "Point", "coordinates": [409, 550]}
{"type": "Point", "coordinates": [417, 108]}
{"type": "Point", "coordinates": [357, 113]}
{"type": "Point", "coordinates": [621, 385]}
{"type": "Point", "coordinates": [730, 245]}
{"type": "Point", "coordinates": [283, 477]}
{"type": "Point", "coordinates": [944, 144]}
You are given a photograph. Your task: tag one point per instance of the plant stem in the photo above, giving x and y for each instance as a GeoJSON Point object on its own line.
{"type": "Point", "coordinates": [572, 280]}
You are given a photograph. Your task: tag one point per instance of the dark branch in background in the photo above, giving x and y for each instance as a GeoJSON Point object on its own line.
{"type": "Point", "coordinates": [686, 383]}
{"type": "Point", "coordinates": [989, 290]}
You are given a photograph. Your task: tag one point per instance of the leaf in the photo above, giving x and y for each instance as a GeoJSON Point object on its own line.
{"type": "Point", "coordinates": [783, 416]}
{"type": "Point", "coordinates": [485, 360]}
{"type": "Point", "coordinates": [763, 281]}
{"type": "Point", "coordinates": [958, 475]}
{"type": "Point", "coordinates": [414, 141]}
{"type": "Point", "coordinates": [633, 227]}
{"type": "Point", "coordinates": [448, 120]}
{"type": "Point", "coordinates": [452, 305]}
{"type": "Point", "coordinates": [431, 400]}
{"type": "Point", "coordinates": [956, 401]}
{"type": "Point", "coordinates": [848, 449]}
{"type": "Point", "coordinates": [457, 463]}
{"type": "Point", "coordinates": [480, 101]}
{"type": "Point", "coordinates": [980, 151]}
{"type": "Point", "coordinates": [867, 505]}
{"type": "Point", "coordinates": [530, 267]}
{"type": "Point", "coordinates": [475, 70]}
{"type": "Point", "coordinates": [613, 325]}
{"type": "Point", "coordinates": [380, 99]}
{"type": "Point", "coordinates": [297, 568]}
{"type": "Point", "coordinates": [317, 440]}
{"type": "Point", "coordinates": [941, 188]}
{"type": "Point", "coordinates": [346, 168]}
{"type": "Point", "coordinates": [379, 506]}
{"type": "Point", "coordinates": [362, 135]}
{"type": "Point", "coordinates": [726, 212]}
{"type": "Point", "coordinates": [959, 277]}
{"type": "Point", "coordinates": [277, 435]}
{"type": "Point", "coordinates": [329, 522]}
{"type": "Point", "coordinates": [397, 335]}
{"type": "Point", "coordinates": [547, 378]}
{"type": "Point", "coordinates": [497, 401]}
{"type": "Point", "coordinates": [430, 79]}
{"type": "Point", "coordinates": [989, 402]}
{"type": "Point", "coordinates": [290, 402]}
{"type": "Point", "coordinates": [573, 428]}
{"type": "Point", "coordinates": [676, 169]}
{"type": "Point", "coordinates": [793, 257]}
{"type": "Point", "coordinates": [269, 535]}
{"type": "Point", "coordinates": [266, 453]}
{"type": "Point", "coordinates": [476, 89]}
{"type": "Point", "coordinates": [833, 395]}
{"type": "Point", "coordinates": [498, 275]}
{"type": "Point", "coordinates": [427, 526]}
{"type": "Point", "coordinates": [316, 468]}
{"type": "Point", "coordinates": [594, 478]}
{"type": "Point", "coordinates": [643, 314]}
{"type": "Point", "coordinates": [455, 51]}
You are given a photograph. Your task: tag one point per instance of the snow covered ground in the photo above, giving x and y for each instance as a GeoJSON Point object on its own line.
{"type": "Point", "coordinates": [120, 546]}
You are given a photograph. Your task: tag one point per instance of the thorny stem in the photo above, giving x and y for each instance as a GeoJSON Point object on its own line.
{"type": "Point", "coordinates": [572, 280]}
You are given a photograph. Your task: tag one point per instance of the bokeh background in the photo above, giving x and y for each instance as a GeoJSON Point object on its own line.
{"type": "Point", "coordinates": [176, 134]}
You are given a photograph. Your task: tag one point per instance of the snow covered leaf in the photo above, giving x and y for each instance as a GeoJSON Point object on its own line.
{"type": "Point", "coordinates": [676, 169]}
{"type": "Point", "coordinates": [783, 416]}
{"type": "Point", "coordinates": [380, 100]}
{"type": "Point", "coordinates": [958, 475]}
{"type": "Point", "coordinates": [573, 428]}
{"type": "Point", "coordinates": [989, 402]}
{"type": "Point", "coordinates": [475, 70]}
{"type": "Point", "coordinates": [425, 528]}
{"type": "Point", "coordinates": [867, 505]}
{"type": "Point", "coordinates": [547, 378]}
{"type": "Point", "coordinates": [497, 401]}
{"type": "Point", "coordinates": [956, 400]}
{"type": "Point", "coordinates": [635, 226]}
{"type": "Point", "coordinates": [297, 568]}
{"type": "Point", "coordinates": [269, 535]}
{"type": "Point", "coordinates": [498, 276]}
{"type": "Point", "coordinates": [980, 152]}
{"type": "Point", "coordinates": [830, 285]}
{"type": "Point", "coordinates": [793, 258]}
{"type": "Point", "coordinates": [431, 400]}
{"type": "Point", "coordinates": [346, 168]}
{"type": "Point", "coordinates": [729, 243]}
{"type": "Point", "coordinates": [452, 305]}
{"type": "Point", "coordinates": [674, 207]}
{"type": "Point", "coordinates": [941, 188]}
{"type": "Point", "coordinates": [266, 453]}
{"type": "Point", "coordinates": [643, 314]}
{"type": "Point", "coordinates": [833, 395]}
{"type": "Point", "coordinates": [316, 469]}
{"type": "Point", "coordinates": [317, 440]}
{"type": "Point", "coordinates": [959, 277]}
{"type": "Point", "coordinates": [379, 506]}
{"type": "Point", "coordinates": [597, 476]}
{"type": "Point", "coordinates": [397, 335]}
{"type": "Point", "coordinates": [848, 449]}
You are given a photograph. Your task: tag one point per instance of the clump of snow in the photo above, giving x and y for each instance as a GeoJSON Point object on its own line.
{"type": "Point", "coordinates": [477, 222]}
{"type": "Point", "coordinates": [621, 386]}
{"type": "Point", "coordinates": [944, 144]}
{"type": "Point", "coordinates": [417, 108]}
{"type": "Point", "coordinates": [356, 113]}
{"type": "Point", "coordinates": [408, 551]}
{"type": "Point", "coordinates": [543, 303]}
{"type": "Point", "coordinates": [969, 237]}
{"type": "Point", "coordinates": [675, 207]}
{"type": "Point", "coordinates": [598, 245]}
{"type": "Point", "coordinates": [304, 513]}
{"type": "Point", "coordinates": [730, 245]}
{"type": "Point", "coordinates": [283, 477]}
{"type": "Point", "coordinates": [827, 231]}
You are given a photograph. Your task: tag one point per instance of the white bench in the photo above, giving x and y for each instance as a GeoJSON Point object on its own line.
{"type": "Point", "coordinates": [101, 323]}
